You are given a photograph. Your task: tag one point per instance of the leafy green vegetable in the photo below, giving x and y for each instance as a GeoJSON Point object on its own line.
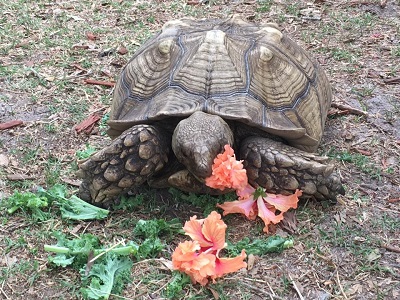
{"type": "Point", "coordinates": [28, 202]}
{"type": "Point", "coordinates": [129, 203]}
{"type": "Point", "coordinates": [69, 251]}
{"type": "Point", "coordinates": [271, 244]}
{"type": "Point", "coordinates": [205, 201]}
{"type": "Point", "coordinates": [82, 154]}
{"type": "Point", "coordinates": [73, 208]}
{"type": "Point", "coordinates": [77, 250]}
{"type": "Point", "coordinates": [174, 288]}
{"type": "Point", "coordinates": [107, 276]}
{"type": "Point", "coordinates": [149, 248]}
{"type": "Point", "coordinates": [156, 227]}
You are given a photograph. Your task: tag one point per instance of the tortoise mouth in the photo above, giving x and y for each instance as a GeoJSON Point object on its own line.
{"type": "Point", "coordinates": [198, 139]}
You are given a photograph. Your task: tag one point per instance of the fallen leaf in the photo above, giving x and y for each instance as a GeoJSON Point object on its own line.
{"type": "Point", "coordinates": [8, 260]}
{"type": "Point", "coordinates": [76, 229]}
{"type": "Point", "coordinates": [355, 289]}
{"type": "Point", "coordinates": [374, 255]}
{"type": "Point", "coordinates": [167, 263]}
{"type": "Point", "coordinates": [214, 292]}
{"type": "Point", "coordinates": [99, 82]}
{"type": "Point", "coordinates": [91, 36]}
{"type": "Point", "coordinates": [87, 125]}
{"type": "Point", "coordinates": [72, 181]}
{"type": "Point", "coordinates": [289, 222]}
{"type": "Point", "coordinates": [10, 124]}
{"type": "Point", "coordinates": [16, 177]}
{"type": "Point", "coordinates": [122, 50]}
{"type": "Point", "coordinates": [4, 161]}
{"type": "Point", "coordinates": [251, 259]}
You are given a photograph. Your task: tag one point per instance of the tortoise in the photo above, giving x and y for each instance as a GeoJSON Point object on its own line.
{"type": "Point", "coordinates": [198, 85]}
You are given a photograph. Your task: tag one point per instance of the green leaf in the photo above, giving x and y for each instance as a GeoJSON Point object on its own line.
{"type": "Point", "coordinates": [29, 202]}
{"type": "Point", "coordinates": [106, 276]}
{"type": "Point", "coordinates": [175, 287]}
{"type": "Point", "coordinates": [149, 248]}
{"type": "Point", "coordinates": [271, 244]}
{"type": "Point", "coordinates": [156, 227]}
{"type": "Point", "coordinates": [77, 209]}
{"type": "Point", "coordinates": [73, 208]}
{"type": "Point", "coordinates": [55, 193]}
{"type": "Point", "coordinates": [72, 251]}
{"type": "Point", "coordinates": [61, 260]}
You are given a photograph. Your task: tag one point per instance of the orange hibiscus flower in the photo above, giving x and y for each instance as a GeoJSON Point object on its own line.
{"type": "Point", "coordinates": [257, 202]}
{"type": "Point", "coordinates": [227, 172]}
{"type": "Point", "coordinates": [200, 258]}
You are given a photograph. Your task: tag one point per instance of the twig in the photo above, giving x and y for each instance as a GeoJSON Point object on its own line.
{"type": "Point", "coordinates": [10, 124]}
{"type": "Point", "coordinates": [395, 80]}
{"type": "Point", "coordinates": [4, 293]}
{"type": "Point", "coordinates": [390, 248]}
{"type": "Point", "coordinates": [296, 288]}
{"type": "Point", "coordinates": [99, 82]}
{"type": "Point", "coordinates": [394, 200]}
{"type": "Point", "coordinates": [352, 110]}
{"type": "Point", "coordinates": [340, 285]}
{"type": "Point", "coordinates": [354, 3]}
{"type": "Point", "coordinates": [272, 296]}
{"type": "Point", "coordinates": [16, 177]}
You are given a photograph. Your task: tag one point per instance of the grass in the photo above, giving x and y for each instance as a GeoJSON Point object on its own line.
{"type": "Point", "coordinates": [40, 84]}
{"type": "Point", "coordinates": [362, 162]}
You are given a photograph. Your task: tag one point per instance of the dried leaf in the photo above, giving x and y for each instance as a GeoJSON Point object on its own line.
{"type": "Point", "coordinates": [87, 125]}
{"type": "Point", "coordinates": [4, 161]}
{"type": "Point", "coordinates": [355, 289]}
{"type": "Point", "coordinates": [214, 292]}
{"type": "Point", "coordinates": [289, 222]}
{"type": "Point", "coordinates": [251, 259]}
{"type": "Point", "coordinates": [122, 50]}
{"type": "Point", "coordinates": [10, 124]}
{"type": "Point", "coordinates": [16, 177]}
{"type": "Point", "coordinates": [374, 255]}
{"type": "Point", "coordinates": [91, 36]}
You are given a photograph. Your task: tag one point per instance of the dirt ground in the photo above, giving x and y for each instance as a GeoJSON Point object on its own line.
{"type": "Point", "coordinates": [48, 51]}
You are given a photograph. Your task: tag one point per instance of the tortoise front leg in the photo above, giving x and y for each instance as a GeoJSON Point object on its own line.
{"type": "Point", "coordinates": [128, 161]}
{"type": "Point", "coordinates": [280, 168]}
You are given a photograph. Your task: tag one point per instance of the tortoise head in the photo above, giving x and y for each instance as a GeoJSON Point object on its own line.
{"type": "Point", "coordinates": [198, 139]}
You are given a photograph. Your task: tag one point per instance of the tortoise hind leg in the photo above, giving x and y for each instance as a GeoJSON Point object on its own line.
{"type": "Point", "coordinates": [128, 161]}
{"type": "Point", "coordinates": [283, 169]}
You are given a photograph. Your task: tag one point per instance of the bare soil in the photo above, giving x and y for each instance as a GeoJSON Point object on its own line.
{"type": "Point", "coordinates": [347, 251]}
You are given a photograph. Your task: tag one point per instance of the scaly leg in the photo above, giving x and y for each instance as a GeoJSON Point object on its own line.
{"type": "Point", "coordinates": [283, 169]}
{"type": "Point", "coordinates": [128, 161]}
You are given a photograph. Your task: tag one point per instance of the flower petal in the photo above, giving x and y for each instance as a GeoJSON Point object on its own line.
{"type": "Point", "coordinates": [284, 203]}
{"type": "Point", "coordinates": [214, 230]}
{"type": "Point", "coordinates": [244, 206]}
{"type": "Point", "coordinates": [227, 172]}
{"type": "Point", "coordinates": [228, 265]}
{"type": "Point", "coordinates": [199, 266]}
{"type": "Point", "coordinates": [267, 214]}
{"type": "Point", "coordinates": [193, 228]}
{"type": "Point", "coordinates": [245, 192]}
{"type": "Point", "coordinates": [185, 252]}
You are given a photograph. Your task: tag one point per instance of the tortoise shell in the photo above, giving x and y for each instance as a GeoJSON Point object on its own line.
{"type": "Point", "coordinates": [241, 71]}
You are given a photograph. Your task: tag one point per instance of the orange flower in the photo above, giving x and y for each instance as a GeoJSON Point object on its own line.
{"type": "Point", "coordinates": [229, 265]}
{"type": "Point", "coordinates": [209, 232]}
{"type": "Point", "coordinates": [253, 202]}
{"type": "Point", "coordinates": [227, 172]}
{"type": "Point", "coordinates": [200, 258]}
